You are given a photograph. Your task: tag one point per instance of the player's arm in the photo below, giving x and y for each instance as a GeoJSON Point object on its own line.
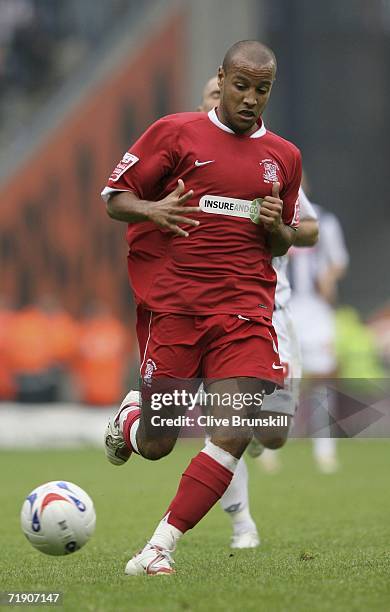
{"type": "Point", "coordinates": [307, 231]}
{"type": "Point", "coordinates": [167, 213]}
{"type": "Point", "coordinates": [132, 188]}
{"type": "Point", "coordinates": [327, 282]}
{"type": "Point", "coordinates": [333, 242]}
{"type": "Point", "coordinates": [281, 239]}
{"type": "Point", "coordinates": [306, 234]}
{"type": "Point", "coordinates": [281, 236]}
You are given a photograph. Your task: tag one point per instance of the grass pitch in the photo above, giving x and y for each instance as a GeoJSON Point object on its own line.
{"type": "Point", "coordinates": [325, 539]}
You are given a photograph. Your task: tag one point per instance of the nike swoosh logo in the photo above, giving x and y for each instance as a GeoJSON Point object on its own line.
{"type": "Point", "coordinates": [199, 163]}
{"type": "Point", "coordinates": [153, 567]}
{"type": "Point", "coordinates": [276, 367]}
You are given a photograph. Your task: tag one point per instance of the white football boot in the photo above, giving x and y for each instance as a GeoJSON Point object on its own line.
{"type": "Point", "coordinates": [152, 560]}
{"type": "Point", "coordinates": [116, 449]}
{"type": "Point", "coordinates": [248, 539]}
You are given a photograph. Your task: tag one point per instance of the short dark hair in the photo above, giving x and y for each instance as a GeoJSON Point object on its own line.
{"type": "Point", "coordinates": [253, 50]}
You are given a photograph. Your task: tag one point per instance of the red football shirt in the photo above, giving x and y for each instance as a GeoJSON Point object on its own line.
{"type": "Point", "coordinates": [224, 266]}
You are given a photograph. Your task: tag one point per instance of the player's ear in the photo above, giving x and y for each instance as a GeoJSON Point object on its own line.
{"type": "Point", "coordinates": [199, 109]}
{"type": "Point", "coordinates": [221, 76]}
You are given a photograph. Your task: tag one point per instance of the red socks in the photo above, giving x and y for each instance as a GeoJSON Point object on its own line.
{"type": "Point", "coordinates": [202, 484]}
{"type": "Point", "coordinates": [130, 440]}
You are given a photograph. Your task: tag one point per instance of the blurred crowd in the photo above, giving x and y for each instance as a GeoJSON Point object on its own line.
{"type": "Point", "coordinates": [46, 355]}
{"type": "Point", "coordinates": [363, 348]}
{"type": "Point", "coordinates": [42, 42]}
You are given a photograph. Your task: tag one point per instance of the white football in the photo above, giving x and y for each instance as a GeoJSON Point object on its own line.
{"type": "Point", "coordinates": [58, 518]}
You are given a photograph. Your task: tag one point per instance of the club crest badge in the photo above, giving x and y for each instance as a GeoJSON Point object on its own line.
{"type": "Point", "coordinates": [150, 368]}
{"type": "Point", "coordinates": [270, 170]}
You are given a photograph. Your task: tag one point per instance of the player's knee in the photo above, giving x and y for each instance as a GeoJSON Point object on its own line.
{"type": "Point", "coordinates": [274, 442]}
{"type": "Point", "coordinates": [276, 436]}
{"type": "Point", "coordinates": [235, 446]}
{"type": "Point", "coordinates": [157, 449]}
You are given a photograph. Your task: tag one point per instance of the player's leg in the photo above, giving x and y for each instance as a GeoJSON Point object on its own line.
{"type": "Point", "coordinates": [202, 484]}
{"type": "Point", "coordinates": [238, 352]}
{"type": "Point", "coordinates": [315, 323]}
{"type": "Point", "coordinates": [275, 434]}
{"type": "Point", "coordinates": [283, 402]}
{"type": "Point", "coordinates": [138, 425]}
{"type": "Point", "coordinates": [320, 365]}
{"type": "Point", "coordinates": [324, 450]}
{"type": "Point", "coordinates": [235, 502]}
{"type": "Point", "coordinates": [322, 400]}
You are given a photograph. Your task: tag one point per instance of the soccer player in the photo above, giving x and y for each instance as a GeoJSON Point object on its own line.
{"type": "Point", "coordinates": [209, 198]}
{"type": "Point", "coordinates": [315, 274]}
{"type": "Point", "coordinates": [235, 500]}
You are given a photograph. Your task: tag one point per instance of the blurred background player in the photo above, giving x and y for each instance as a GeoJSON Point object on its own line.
{"type": "Point", "coordinates": [235, 500]}
{"type": "Point", "coordinates": [314, 276]}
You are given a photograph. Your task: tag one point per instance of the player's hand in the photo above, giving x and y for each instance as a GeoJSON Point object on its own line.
{"type": "Point", "coordinates": [171, 210]}
{"type": "Point", "coordinates": [271, 210]}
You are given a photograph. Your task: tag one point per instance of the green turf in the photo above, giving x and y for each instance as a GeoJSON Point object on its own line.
{"type": "Point", "coordinates": [325, 539]}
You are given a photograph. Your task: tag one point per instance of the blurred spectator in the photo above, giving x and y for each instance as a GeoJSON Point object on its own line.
{"type": "Point", "coordinates": [29, 62]}
{"type": "Point", "coordinates": [64, 334]}
{"type": "Point", "coordinates": [28, 349]}
{"type": "Point", "coordinates": [7, 383]}
{"type": "Point", "coordinates": [46, 356]}
{"type": "Point", "coordinates": [13, 13]}
{"type": "Point", "coordinates": [102, 360]}
{"type": "Point", "coordinates": [64, 331]}
{"type": "Point", "coordinates": [379, 324]}
{"type": "Point", "coordinates": [42, 43]}
{"type": "Point", "coordinates": [355, 346]}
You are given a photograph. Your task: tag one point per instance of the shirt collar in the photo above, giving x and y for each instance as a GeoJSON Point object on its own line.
{"type": "Point", "coordinates": [214, 119]}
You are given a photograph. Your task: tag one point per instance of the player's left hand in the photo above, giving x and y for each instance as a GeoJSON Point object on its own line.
{"type": "Point", "coordinates": [271, 210]}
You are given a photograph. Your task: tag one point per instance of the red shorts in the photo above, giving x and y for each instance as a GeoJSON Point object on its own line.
{"type": "Point", "coordinates": [206, 347]}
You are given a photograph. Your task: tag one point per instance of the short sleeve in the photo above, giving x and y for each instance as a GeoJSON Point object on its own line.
{"type": "Point", "coordinates": [145, 165]}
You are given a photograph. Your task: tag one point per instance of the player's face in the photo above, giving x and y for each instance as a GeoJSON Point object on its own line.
{"type": "Point", "coordinates": [211, 95]}
{"type": "Point", "coordinates": [245, 90]}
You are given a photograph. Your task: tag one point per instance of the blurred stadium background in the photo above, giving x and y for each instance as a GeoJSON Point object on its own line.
{"type": "Point", "coordinates": [79, 81]}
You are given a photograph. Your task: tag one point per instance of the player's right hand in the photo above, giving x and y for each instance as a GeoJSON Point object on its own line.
{"type": "Point", "coordinates": [171, 210]}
